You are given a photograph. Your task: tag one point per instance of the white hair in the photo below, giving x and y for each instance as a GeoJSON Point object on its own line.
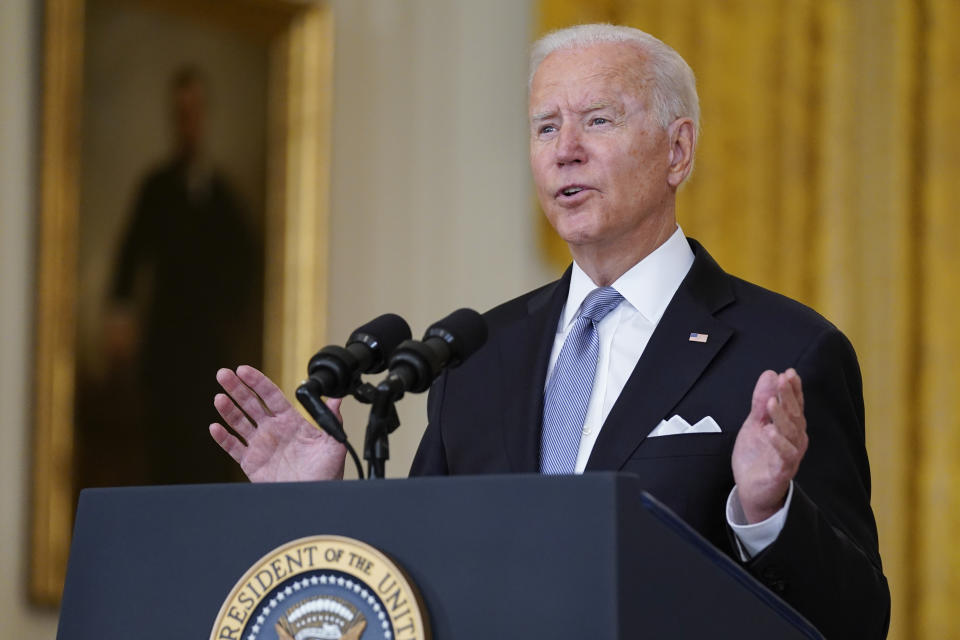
{"type": "Point", "coordinates": [674, 88]}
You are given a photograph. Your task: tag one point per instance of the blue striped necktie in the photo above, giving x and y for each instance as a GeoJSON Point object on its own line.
{"type": "Point", "coordinates": [568, 391]}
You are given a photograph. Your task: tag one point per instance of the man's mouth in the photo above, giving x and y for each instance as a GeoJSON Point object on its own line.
{"type": "Point", "coordinates": [570, 190]}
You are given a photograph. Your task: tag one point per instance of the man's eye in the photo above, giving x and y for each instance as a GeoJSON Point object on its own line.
{"type": "Point", "coordinates": [598, 120]}
{"type": "Point", "coordinates": [547, 128]}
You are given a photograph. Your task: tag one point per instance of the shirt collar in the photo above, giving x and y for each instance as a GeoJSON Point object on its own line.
{"type": "Point", "coordinates": [647, 286]}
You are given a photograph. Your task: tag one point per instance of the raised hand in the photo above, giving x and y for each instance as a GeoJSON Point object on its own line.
{"type": "Point", "coordinates": [278, 444]}
{"type": "Point", "coordinates": [770, 445]}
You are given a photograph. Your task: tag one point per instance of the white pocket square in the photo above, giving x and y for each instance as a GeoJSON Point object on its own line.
{"type": "Point", "coordinates": [678, 426]}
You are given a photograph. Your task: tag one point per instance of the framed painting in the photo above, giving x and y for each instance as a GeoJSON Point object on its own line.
{"type": "Point", "coordinates": [182, 227]}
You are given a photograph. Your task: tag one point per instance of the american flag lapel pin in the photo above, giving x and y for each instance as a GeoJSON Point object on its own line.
{"type": "Point", "coordinates": [698, 337]}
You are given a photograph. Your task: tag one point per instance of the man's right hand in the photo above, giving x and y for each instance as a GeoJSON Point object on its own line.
{"type": "Point", "coordinates": [278, 444]}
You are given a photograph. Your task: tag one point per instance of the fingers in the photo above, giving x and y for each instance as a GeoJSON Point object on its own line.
{"type": "Point", "coordinates": [793, 428]}
{"type": "Point", "coordinates": [334, 405]}
{"type": "Point", "coordinates": [787, 452]}
{"type": "Point", "coordinates": [790, 392]}
{"type": "Point", "coordinates": [765, 389]}
{"type": "Point", "coordinates": [228, 442]}
{"type": "Point", "coordinates": [242, 395]}
{"type": "Point", "coordinates": [232, 415]}
{"type": "Point", "coordinates": [269, 393]}
{"type": "Point", "coordinates": [786, 410]}
{"type": "Point", "coordinates": [785, 389]}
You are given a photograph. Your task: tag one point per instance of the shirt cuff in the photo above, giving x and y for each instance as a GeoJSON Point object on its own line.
{"type": "Point", "coordinates": [754, 538]}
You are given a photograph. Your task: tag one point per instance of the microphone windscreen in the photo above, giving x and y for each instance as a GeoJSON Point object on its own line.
{"type": "Point", "coordinates": [382, 334]}
{"type": "Point", "coordinates": [464, 330]}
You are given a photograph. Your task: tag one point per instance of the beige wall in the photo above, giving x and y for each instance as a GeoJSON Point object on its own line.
{"type": "Point", "coordinates": [431, 202]}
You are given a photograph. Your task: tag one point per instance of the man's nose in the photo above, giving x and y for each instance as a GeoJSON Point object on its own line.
{"type": "Point", "coordinates": [570, 146]}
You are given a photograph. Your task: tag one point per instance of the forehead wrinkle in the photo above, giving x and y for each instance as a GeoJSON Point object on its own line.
{"type": "Point", "coordinates": [613, 96]}
{"type": "Point", "coordinates": [622, 79]}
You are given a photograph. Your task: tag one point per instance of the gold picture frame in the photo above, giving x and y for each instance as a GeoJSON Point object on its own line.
{"type": "Point", "coordinates": [299, 40]}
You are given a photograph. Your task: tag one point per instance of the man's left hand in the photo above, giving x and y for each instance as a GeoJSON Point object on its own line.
{"type": "Point", "coordinates": [770, 445]}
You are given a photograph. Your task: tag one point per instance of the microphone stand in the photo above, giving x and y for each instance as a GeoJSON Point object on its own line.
{"type": "Point", "coordinates": [382, 422]}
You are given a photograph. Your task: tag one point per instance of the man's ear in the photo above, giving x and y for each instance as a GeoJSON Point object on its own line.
{"type": "Point", "coordinates": [682, 136]}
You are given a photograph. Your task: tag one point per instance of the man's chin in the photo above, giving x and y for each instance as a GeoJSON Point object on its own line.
{"type": "Point", "coordinates": [573, 227]}
{"type": "Point", "coordinates": [578, 238]}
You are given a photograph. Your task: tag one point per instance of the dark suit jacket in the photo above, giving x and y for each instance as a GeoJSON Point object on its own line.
{"type": "Point", "coordinates": [485, 417]}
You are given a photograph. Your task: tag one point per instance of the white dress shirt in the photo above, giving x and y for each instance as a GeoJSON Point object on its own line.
{"type": "Point", "coordinates": [647, 289]}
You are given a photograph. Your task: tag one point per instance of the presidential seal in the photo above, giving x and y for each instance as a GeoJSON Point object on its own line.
{"type": "Point", "coordinates": [323, 588]}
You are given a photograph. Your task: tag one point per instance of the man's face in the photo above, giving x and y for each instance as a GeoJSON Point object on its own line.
{"type": "Point", "coordinates": [599, 158]}
{"type": "Point", "coordinates": [189, 115]}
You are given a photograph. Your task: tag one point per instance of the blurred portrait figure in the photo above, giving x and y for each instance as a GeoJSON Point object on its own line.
{"type": "Point", "coordinates": [184, 295]}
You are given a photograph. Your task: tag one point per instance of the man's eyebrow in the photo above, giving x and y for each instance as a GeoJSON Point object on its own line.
{"type": "Point", "coordinates": [603, 104]}
{"type": "Point", "coordinates": [595, 106]}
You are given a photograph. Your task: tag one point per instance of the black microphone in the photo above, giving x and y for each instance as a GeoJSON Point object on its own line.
{"type": "Point", "coordinates": [336, 370]}
{"type": "Point", "coordinates": [447, 343]}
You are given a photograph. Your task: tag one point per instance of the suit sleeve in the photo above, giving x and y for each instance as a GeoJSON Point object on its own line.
{"type": "Point", "coordinates": [138, 242]}
{"type": "Point", "coordinates": [826, 560]}
{"type": "Point", "coordinates": [431, 457]}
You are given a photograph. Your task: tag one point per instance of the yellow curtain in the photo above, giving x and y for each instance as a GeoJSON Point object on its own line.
{"type": "Point", "coordinates": [829, 170]}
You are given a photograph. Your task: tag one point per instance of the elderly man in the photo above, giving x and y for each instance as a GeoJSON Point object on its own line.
{"type": "Point", "coordinates": [644, 357]}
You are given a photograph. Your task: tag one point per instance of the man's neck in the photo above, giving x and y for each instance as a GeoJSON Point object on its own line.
{"type": "Point", "coordinates": [605, 264]}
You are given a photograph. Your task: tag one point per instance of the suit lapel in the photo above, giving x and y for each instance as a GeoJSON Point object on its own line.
{"type": "Point", "coordinates": [524, 355]}
{"type": "Point", "coordinates": [670, 364]}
